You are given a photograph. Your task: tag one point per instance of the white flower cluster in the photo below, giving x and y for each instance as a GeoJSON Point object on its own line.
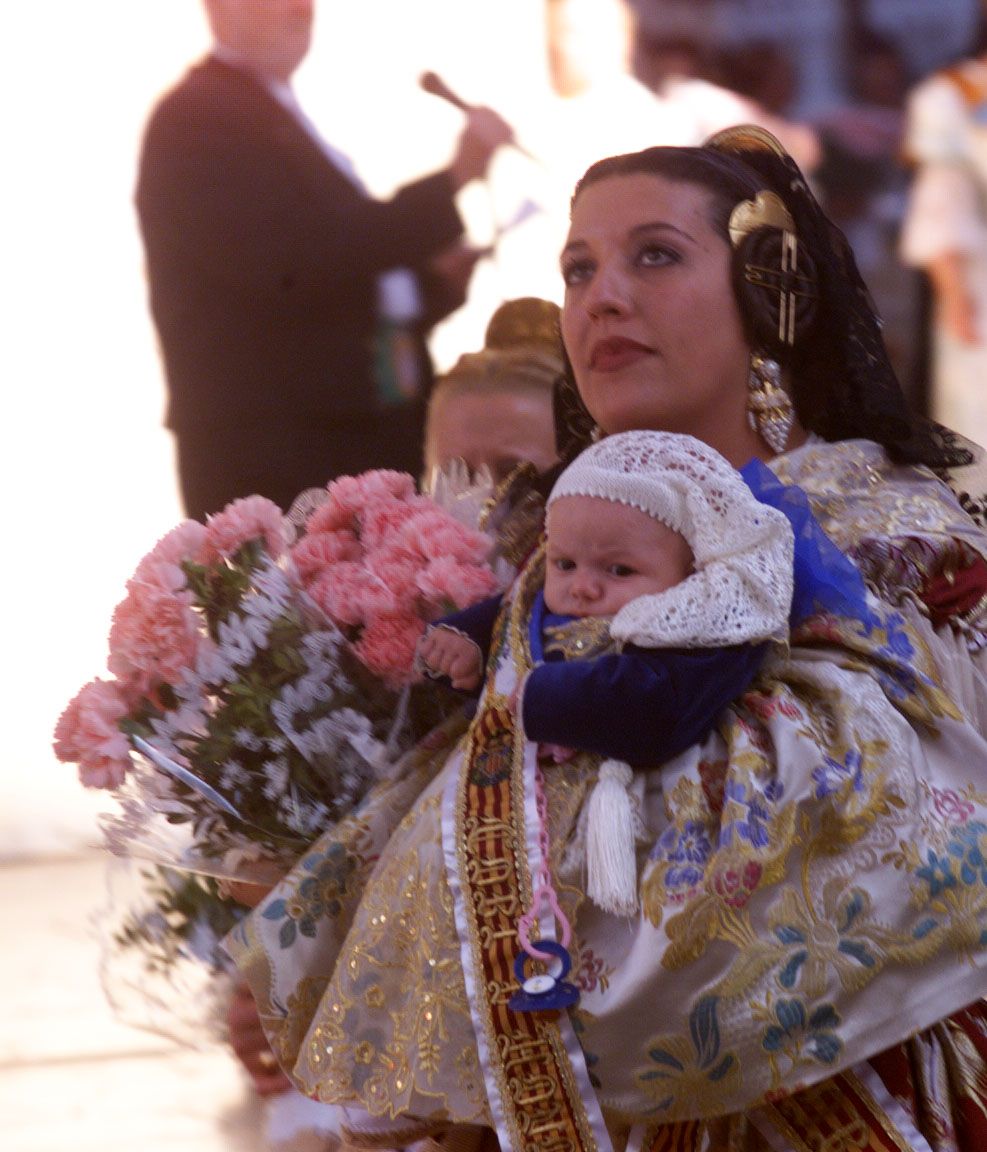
{"type": "Point", "coordinates": [342, 743]}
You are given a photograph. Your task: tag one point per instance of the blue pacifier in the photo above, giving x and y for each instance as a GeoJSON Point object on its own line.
{"type": "Point", "coordinates": [545, 991]}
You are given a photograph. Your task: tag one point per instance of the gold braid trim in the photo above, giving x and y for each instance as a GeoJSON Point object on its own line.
{"type": "Point", "coordinates": [527, 1058]}
{"type": "Point", "coordinates": [838, 1113]}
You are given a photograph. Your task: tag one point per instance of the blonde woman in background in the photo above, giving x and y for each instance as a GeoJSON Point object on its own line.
{"type": "Point", "coordinates": [493, 409]}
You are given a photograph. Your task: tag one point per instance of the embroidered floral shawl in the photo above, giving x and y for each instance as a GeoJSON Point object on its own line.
{"type": "Point", "coordinates": [813, 887]}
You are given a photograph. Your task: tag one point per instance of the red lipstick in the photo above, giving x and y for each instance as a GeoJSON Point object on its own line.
{"type": "Point", "coordinates": [615, 353]}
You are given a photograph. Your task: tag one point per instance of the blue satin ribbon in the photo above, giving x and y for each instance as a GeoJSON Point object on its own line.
{"type": "Point", "coordinates": [826, 579]}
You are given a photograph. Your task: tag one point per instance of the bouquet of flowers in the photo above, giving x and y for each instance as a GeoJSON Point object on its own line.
{"type": "Point", "coordinates": [262, 675]}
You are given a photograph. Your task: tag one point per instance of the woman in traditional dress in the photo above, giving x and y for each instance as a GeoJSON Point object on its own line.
{"type": "Point", "coordinates": [807, 966]}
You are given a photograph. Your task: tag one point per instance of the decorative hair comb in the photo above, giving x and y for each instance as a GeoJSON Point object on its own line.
{"type": "Point", "coordinates": [766, 210]}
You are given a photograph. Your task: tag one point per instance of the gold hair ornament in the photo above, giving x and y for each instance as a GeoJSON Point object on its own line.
{"type": "Point", "coordinates": [745, 138]}
{"type": "Point", "coordinates": [767, 210]}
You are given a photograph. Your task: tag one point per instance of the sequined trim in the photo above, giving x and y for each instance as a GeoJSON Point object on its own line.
{"type": "Point", "coordinates": [580, 639]}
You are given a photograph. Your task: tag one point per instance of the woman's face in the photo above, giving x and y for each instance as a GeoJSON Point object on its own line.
{"type": "Point", "coordinates": [650, 321]}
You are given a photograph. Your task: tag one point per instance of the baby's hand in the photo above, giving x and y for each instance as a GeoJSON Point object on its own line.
{"type": "Point", "coordinates": [447, 653]}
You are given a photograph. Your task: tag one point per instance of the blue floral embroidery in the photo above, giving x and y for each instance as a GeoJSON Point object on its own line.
{"type": "Point", "coordinates": [832, 775]}
{"type": "Point", "coordinates": [687, 850]}
{"type": "Point", "coordinates": [847, 915]}
{"type": "Point", "coordinates": [966, 848]}
{"type": "Point", "coordinates": [814, 1034]}
{"type": "Point", "coordinates": [752, 827]}
{"type": "Point", "coordinates": [319, 895]}
{"type": "Point", "coordinates": [704, 1032]}
{"type": "Point", "coordinates": [937, 873]}
{"type": "Point", "coordinates": [898, 644]}
{"type": "Point", "coordinates": [963, 863]}
{"type": "Point", "coordinates": [899, 679]}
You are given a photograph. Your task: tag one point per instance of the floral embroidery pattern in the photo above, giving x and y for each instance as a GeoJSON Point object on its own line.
{"type": "Point", "coordinates": [842, 938]}
{"type": "Point", "coordinates": [320, 894]}
{"type": "Point", "coordinates": [755, 808]}
{"type": "Point", "coordinates": [685, 852]}
{"type": "Point", "coordinates": [956, 881]}
{"type": "Point", "coordinates": [683, 1070]}
{"type": "Point", "coordinates": [800, 1034]}
{"type": "Point", "coordinates": [735, 885]}
{"type": "Point", "coordinates": [951, 805]}
{"type": "Point", "coordinates": [593, 972]}
{"type": "Point", "coordinates": [834, 775]}
{"type": "Point", "coordinates": [395, 1013]}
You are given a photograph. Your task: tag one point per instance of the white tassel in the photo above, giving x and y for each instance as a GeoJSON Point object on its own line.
{"type": "Point", "coordinates": [612, 827]}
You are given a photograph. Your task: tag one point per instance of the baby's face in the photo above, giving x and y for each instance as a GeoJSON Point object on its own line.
{"type": "Point", "coordinates": [601, 555]}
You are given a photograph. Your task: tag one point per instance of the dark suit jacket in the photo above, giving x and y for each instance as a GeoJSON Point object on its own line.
{"type": "Point", "coordinates": [263, 257]}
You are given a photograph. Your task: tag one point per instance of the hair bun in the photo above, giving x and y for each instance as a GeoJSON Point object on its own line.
{"type": "Point", "coordinates": [528, 322]}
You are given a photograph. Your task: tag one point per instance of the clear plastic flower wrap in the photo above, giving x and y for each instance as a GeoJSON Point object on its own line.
{"type": "Point", "coordinates": [161, 966]}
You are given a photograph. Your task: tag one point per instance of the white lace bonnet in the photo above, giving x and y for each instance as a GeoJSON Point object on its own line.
{"type": "Point", "coordinates": [741, 588]}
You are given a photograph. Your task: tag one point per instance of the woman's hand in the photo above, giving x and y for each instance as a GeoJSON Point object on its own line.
{"type": "Point", "coordinates": [250, 1045]}
{"type": "Point", "coordinates": [245, 892]}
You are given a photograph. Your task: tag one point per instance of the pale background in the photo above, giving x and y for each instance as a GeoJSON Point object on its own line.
{"type": "Point", "coordinates": [88, 475]}
{"type": "Point", "coordinates": [87, 468]}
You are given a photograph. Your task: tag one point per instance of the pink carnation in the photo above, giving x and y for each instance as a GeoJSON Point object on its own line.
{"type": "Point", "coordinates": [252, 518]}
{"type": "Point", "coordinates": [434, 534]}
{"type": "Point", "coordinates": [330, 517]}
{"type": "Point", "coordinates": [384, 483]}
{"type": "Point", "coordinates": [446, 584]}
{"type": "Point", "coordinates": [387, 647]}
{"type": "Point", "coordinates": [349, 597]}
{"type": "Point", "coordinates": [162, 565]}
{"type": "Point", "coordinates": [153, 637]}
{"type": "Point", "coordinates": [350, 495]}
{"type": "Point", "coordinates": [382, 520]}
{"type": "Point", "coordinates": [398, 570]}
{"type": "Point", "coordinates": [88, 734]}
{"type": "Point", "coordinates": [314, 553]}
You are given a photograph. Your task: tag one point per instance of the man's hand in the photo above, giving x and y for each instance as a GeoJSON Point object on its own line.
{"type": "Point", "coordinates": [485, 132]}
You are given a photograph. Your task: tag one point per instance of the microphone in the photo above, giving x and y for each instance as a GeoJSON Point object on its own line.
{"type": "Point", "coordinates": [434, 85]}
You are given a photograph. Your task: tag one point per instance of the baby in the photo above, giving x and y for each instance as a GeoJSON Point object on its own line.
{"type": "Point", "coordinates": [678, 575]}
{"type": "Point", "coordinates": [664, 580]}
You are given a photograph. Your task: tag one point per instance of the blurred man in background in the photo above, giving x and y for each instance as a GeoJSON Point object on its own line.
{"type": "Point", "coordinates": [291, 307]}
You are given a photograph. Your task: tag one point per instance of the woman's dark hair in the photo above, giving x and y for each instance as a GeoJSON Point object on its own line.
{"type": "Point", "coordinates": [843, 385]}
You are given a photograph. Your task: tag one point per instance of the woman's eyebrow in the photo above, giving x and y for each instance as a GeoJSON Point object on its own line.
{"type": "Point", "coordinates": [662, 226]}
{"type": "Point", "coordinates": [648, 228]}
